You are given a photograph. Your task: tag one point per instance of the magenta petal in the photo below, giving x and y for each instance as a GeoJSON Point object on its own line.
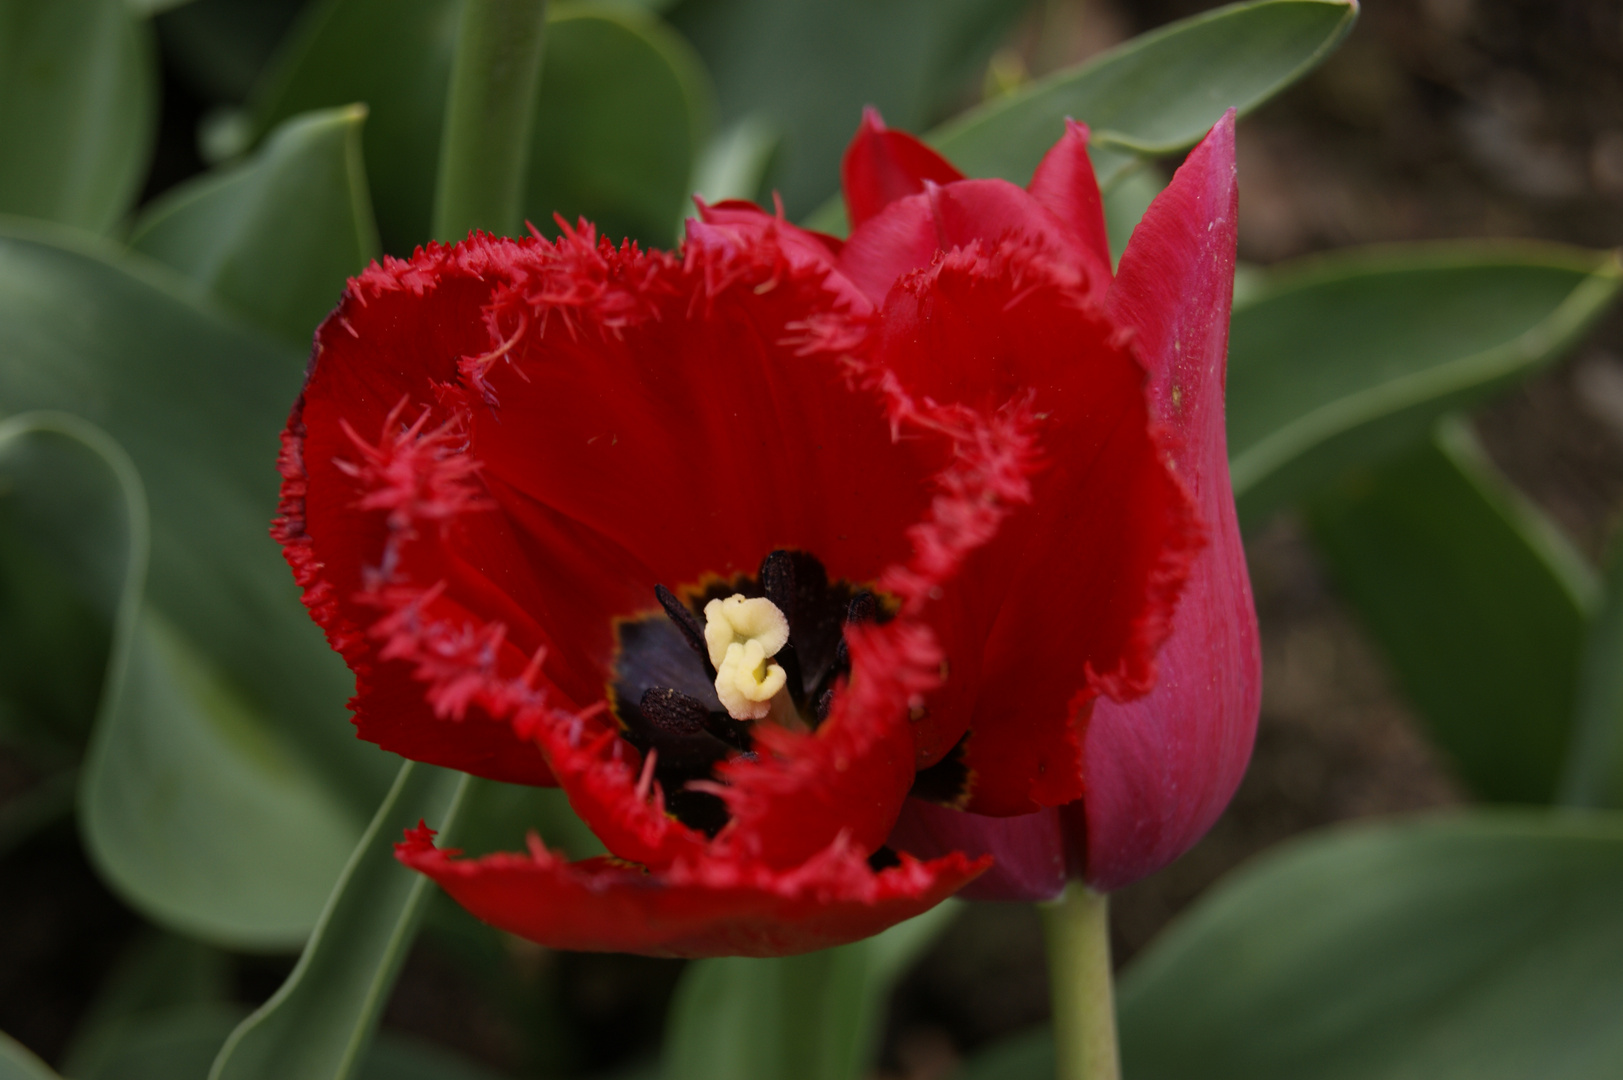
{"type": "Point", "coordinates": [881, 166]}
{"type": "Point", "coordinates": [1065, 185]}
{"type": "Point", "coordinates": [1159, 770]}
{"type": "Point", "coordinates": [1029, 850]}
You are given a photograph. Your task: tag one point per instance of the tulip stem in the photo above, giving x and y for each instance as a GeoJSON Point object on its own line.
{"type": "Point", "coordinates": [1078, 931]}
{"type": "Point", "coordinates": [489, 115]}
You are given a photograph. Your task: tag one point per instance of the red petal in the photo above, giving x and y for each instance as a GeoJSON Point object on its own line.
{"type": "Point", "coordinates": [566, 455]}
{"type": "Point", "coordinates": [1064, 184]}
{"type": "Point", "coordinates": [710, 907]}
{"type": "Point", "coordinates": [882, 166]}
{"type": "Point", "coordinates": [1159, 770]}
{"type": "Point", "coordinates": [1028, 851]}
{"type": "Point", "coordinates": [1073, 596]}
{"type": "Point", "coordinates": [909, 233]}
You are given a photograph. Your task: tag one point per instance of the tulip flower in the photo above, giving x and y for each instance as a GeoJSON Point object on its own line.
{"type": "Point", "coordinates": [1156, 770]}
{"type": "Point", "coordinates": [744, 545]}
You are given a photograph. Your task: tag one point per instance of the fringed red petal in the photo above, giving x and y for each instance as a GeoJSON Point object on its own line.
{"type": "Point", "coordinates": [705, 907]}
{"type": "Point", "coordinates": [1073, 597]}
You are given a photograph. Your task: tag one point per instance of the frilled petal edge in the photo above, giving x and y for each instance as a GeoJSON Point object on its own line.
{"type": "Point", "coordinates": [698, 908]}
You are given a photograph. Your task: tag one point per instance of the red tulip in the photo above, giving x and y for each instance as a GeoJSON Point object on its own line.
{"type": "Point", "coordinates": [1156, 770]}
{"type": "Point", "coordinates": [743, 544]}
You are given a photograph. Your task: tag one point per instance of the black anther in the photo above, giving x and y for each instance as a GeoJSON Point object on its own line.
{"type": "Point", "coordinates": [673, 711]}
{"type": "Point", "coordinates": [777, 578]}
{"type": "Point", "coordinates": [862, 608]}
{"type": "Point", "coordinates": [687, 622]}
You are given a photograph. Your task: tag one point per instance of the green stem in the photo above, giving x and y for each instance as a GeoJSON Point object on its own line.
{"type": "Point", "coordinates": [485, 145]}
{"type": "Point", "coordinates": [1078, 931]}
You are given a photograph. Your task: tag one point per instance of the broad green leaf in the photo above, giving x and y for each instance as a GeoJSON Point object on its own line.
{"type": "Point", "coordinates": [623, 115]}
{"type": "Point", "coordinates": [1478, 946]}
{"type": "Point", "coordinates": [394, 56]}
{"type": "Point", "coordinates": [735, 164]}
{"type": "Point", "coordinates": [67, 544]}
{"type": "Point", "coordinates": [182, 1043]}
{"type": "Point", "coordinates": [18, 1063]}
{"type": "Point", "coordinates": [1346, 358]}
{"type": "Point", "coordinates": [620, 119]}
{"type": "Point", "coordinates": [809, 1017]}
{"type": "Point", "coordinates": [78, 90]}
{"type": "Point", "coordinates": [222, 735]}
{"type": "Point", "coordinates": [1594, 767]}
{"type": "Point", "coordinates": [1155, 95]}
{"type": "Point", "coordinates": [1477, 598]}
{"type": "Point", "coordinates": [319, 1025]}
{"type": "Point", "coordinates": [1126, 203]}
{"type": "Point", "coordinates": [275, 236]}
{"type": "Point", "coordinates": [808, 67]}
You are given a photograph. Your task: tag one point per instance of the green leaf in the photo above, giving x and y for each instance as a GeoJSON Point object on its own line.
{"type": "Point", "coordinates": [78, 90]}
{"type": "Point", "coordinates": [1347, 358]}
{"type": "Point", "coordinates": [275, 236]}
{"type": "Point", "coordinates": [67, 543]}
{"type": "Point", "coordinates": [1477, 598]}
{"type": "Point", "coordinates": [807, 67]}
{"type": "Point", "coordinates": [17, 1063]}
{"type": "Point", "coordinates": [319, 1024]}
{"type": "Point", "coordinates": [394, 56]}
{"type": "Point", "coordinates": [1594, 769]}
{"type": "Point", "coordinates": [1479, 946]}
{"type": "Point", "coordinates": [218, 48]}
{"type": "Point", "coordinates": [489, 111]}
{"type": "Point", "coordinates": [155, 977]}
{"type": "Point", "coordinates": [623, 115]}
{"type": "Point", "coordinates": [809, 1017]}
{"type": "Point", "coordinates": [182, 1043]}
{"type": "Point", "coordinates": [735, 164]}
{"type": "Point", "coordinates": [224, 787]}
{"type": "Point", "coordinates": [1157, 94]}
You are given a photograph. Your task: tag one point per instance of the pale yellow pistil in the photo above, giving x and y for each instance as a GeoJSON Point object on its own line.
{"type": "Point", "coordinates": [742, 635]}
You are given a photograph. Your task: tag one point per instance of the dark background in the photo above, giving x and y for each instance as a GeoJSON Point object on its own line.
{"type": "Point", "coordinates": [1437, 118]}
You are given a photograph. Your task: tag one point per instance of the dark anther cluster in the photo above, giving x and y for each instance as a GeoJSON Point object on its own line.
{"type": "Point", "coordinates": [664, 690]}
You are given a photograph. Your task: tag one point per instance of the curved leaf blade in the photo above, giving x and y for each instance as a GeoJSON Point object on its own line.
{"type": "Point", "coordinates": [1477, 598]}
{"type": "Point", "coordinates": [222, 659]}
{"type": "Point", "coordinates": [276, 236]}
{"type": "Point", "coordinates": [319, 1025]}
{"type": "Point", "coordinates": [623, 114]}
{"type": "Point", "coordinates": [1479, 945]}
{"type": "Point", "coordinates": [1157, 94]}
{"type": "Point", "coordinates": [78, 109]}
{"type": "Point", "coordinates": [18, 1063]}
{"type": "Point", "coordinates": [807, 67]}
{"type": "Point", "coordinates": [1347, 358]}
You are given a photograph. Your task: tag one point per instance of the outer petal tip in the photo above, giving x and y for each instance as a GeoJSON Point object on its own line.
{"type": "Point", "coordinates": [881, 166]}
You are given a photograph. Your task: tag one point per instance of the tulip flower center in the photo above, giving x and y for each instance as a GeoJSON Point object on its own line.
{"type": "Point", "coordinates": [693, 680]}
{"type": "Point", "coordinates": [742, 634]}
